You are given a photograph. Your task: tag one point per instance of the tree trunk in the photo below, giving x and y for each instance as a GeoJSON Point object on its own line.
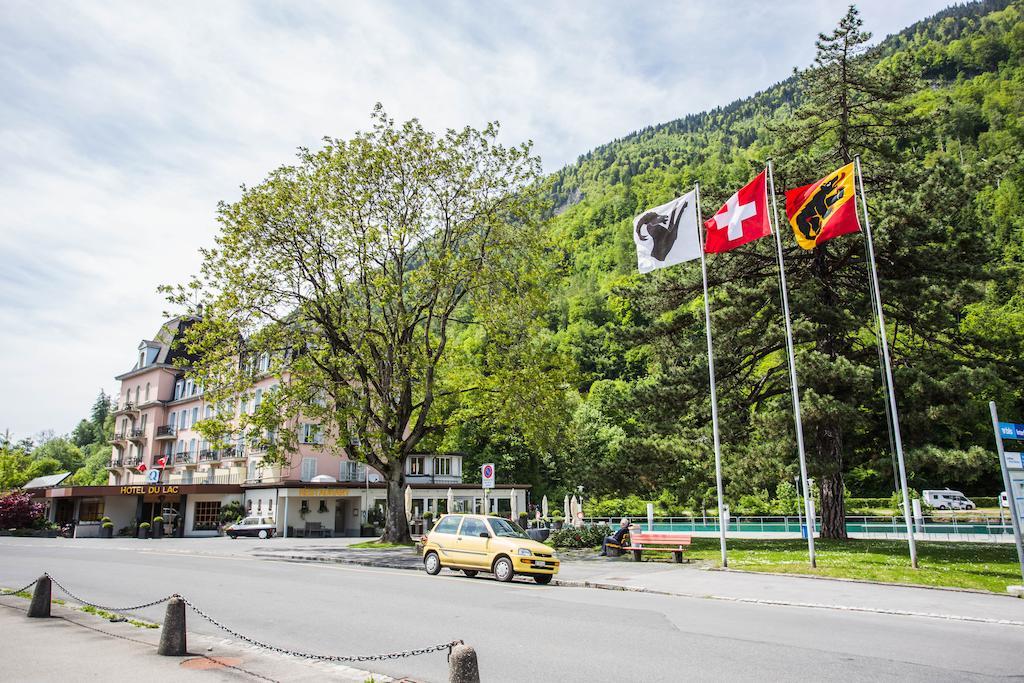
{"type": "Point", "coordinates": [396, 524]}
{"type": "Point", "coordinates": [833, 506]}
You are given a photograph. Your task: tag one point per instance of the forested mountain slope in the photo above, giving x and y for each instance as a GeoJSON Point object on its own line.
{"type": "Point", "coordinates": [945, 174]}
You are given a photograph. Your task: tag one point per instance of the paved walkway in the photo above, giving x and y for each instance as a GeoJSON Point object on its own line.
{"type": "Point", "coordinates": [73, 645]}
{"type": "Point", "coordinates": [586, 568]}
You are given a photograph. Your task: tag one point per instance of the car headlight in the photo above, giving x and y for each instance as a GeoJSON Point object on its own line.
{"type": "Point", "coordinates": [525, 552]}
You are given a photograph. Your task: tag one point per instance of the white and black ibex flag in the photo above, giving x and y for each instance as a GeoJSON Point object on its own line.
{"type": "Point", "coordinates": [667, 234]}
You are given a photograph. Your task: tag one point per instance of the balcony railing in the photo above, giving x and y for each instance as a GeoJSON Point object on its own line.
{"type": "Point", "coordinates": [137, 434]}
{"type": "Point", "coordinates": [434, 478]}
{"type": "Point", "coordinates": [126, 407]}
{"type": "Point", "coordinates": [116, 462]}
{"type": "Point", "coordinates": [209, 455]}
{"type": "Point", "coordinates": [120, 436]}
{"type": "Point", "coordinates": [182, 458]}
{"type": "Point", "coordinates": [132, 461]}
{"type": "Point", "coordinates": [206, 478]}
{"type": "Point", "coordinates": [166, 432]}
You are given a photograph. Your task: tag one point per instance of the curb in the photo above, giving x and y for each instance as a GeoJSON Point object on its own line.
{"type": "Point", "coordinates": [951, 589]}
{"type": "Point", "coordinates": [723, 598]}
{"type": "Point", "coordinates": [787, 603]}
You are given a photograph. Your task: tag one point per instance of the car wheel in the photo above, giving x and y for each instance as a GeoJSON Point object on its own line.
{"type": "Point", "coordinates": [503, 570]}
{"type": "Point", "coordinates": [543, 579]}
{"type": "Point", "coordinates": [470, 572]}
{"type": "Point", "coordinates": [263, 533]}
{"type": "Point", "coordinates": [432, 563]}
{"type": "Point", "coordinates": [233, 536]}
{"type": "Point", "coordinates": [943, 507]}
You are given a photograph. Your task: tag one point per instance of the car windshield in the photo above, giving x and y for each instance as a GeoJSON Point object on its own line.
{"type": "Point", "coordinates": [503, 527]}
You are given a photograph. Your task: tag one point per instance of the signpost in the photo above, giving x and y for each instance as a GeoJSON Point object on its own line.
{"type": "Point", "coordinates": [487, 482]}
{"type": "Point", "coordinates": [1013, 475]}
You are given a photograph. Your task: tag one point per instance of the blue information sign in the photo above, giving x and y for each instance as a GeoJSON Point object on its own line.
{"type": "Point", "coordinates": [1011, 430]}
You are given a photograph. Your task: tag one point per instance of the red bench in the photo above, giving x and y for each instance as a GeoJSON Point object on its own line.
{"type": "Point", "coordinates": [663, 541]}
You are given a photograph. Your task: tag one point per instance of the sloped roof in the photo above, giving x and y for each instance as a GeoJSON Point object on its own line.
{"type": "Point", "coordinates": [47, 481]}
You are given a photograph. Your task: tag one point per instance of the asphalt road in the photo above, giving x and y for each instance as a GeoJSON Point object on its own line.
{"type": "Point", "coordinates": [521, 631]}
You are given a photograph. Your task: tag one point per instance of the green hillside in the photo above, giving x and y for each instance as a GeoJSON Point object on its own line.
{"type": "Point", "coordinates": [944, 169]}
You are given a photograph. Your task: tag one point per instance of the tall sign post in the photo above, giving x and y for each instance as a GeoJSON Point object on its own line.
{"type": "Point", "coordinates": [487, 483]}
{"type": "Point", "coordinates": [1013, 475]}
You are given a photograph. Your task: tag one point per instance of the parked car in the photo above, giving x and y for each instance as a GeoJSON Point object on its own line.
{"type": "Point", "coordinates": [947, 499]}
{"type": "Point", "coordinates": [481, 543]}
{"type": "Point", "coordinates": [263, 527]}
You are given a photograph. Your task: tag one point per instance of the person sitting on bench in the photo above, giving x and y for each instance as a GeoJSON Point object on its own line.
{"type": "Point", "coordinates": [617, 537]}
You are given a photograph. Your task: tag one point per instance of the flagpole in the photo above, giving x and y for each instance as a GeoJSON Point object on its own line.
{"type": "Point", "coordinates": [887, 367]}
{"type": "Point", "coordinates": [794, 387]}
{"type": "Point", "coordinates": [711, 376]}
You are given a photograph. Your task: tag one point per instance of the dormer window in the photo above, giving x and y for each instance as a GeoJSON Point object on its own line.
{"type": "Point", "coordinates": [416, 466]}
{"type": "Point", "coordinates": [179, 387]}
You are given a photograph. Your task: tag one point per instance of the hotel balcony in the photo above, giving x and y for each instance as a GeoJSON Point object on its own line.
{"type": "Point", "coordinates": [132, 461]}
{"type": "Point", "coordinates": [120, 439]}
{"type": "Point", "coordinates": [183, 458]}
{"type": "Point", "coordinates": [127, 408]}
{"type": "Point", "coordinates": [209, 456]}
{"type": "Point", "coordinates": [211, 477]}
{"type": "Point", "coordinates": [115, 463]}
{"type": "Point", "coordinates": [235, 453]}
{"type": "Point", "coordinates": [433, 478]}
{"type": "Point", "coordinates": [137, 434]}
{"type": "Point", "coordinates": [166, 432]}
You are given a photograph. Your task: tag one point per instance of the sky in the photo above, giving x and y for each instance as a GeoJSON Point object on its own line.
{"type": "Point", "coordinates": [123, 124]}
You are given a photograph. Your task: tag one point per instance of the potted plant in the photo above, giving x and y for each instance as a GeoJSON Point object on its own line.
{"type": "Point", "coordinates": [524, 520]}
{"type": "Point", "coordinates": [106, 528]}
{"type": "Point", "coordinates": [556, 519]}
{"type": "Point", "coordinates": [428, 521]}
{"type": "Point", "coordinates": [158, 527]}
{"type": "Point", "coordinates": [144, 530]}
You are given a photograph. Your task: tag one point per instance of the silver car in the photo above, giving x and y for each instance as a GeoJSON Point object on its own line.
{"type": "Point", "coordinates": [261, 527]}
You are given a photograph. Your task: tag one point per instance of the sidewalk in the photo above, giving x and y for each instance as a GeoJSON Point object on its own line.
{"type": "Point", "coordinates": [73, 645]}
{"type": "Point", "coordinates": [689, 580]}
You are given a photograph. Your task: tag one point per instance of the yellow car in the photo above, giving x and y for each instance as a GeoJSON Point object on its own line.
{"type": "Point", "coordinates": [481, 543]}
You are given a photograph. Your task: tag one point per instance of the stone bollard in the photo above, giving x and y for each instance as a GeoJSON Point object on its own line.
{"type": "Point", "coordinates": [462, 665]}
{"type": "Point", "coordinates": [40, 605]}
{"type": "Point", "coordinates": [172, 634]}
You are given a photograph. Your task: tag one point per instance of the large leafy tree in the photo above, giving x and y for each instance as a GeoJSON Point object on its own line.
{"type": "Point", "coordinates": [352, 270]}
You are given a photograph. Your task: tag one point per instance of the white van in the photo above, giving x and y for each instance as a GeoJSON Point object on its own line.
{"type": "Point", "coordinates": [947, 499]}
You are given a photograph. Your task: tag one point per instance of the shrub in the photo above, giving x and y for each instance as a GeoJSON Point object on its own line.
{"type": "Point", "coordinates": [105, 520]}
{"type": "Point", "coordinates": [580, 537]}
{"type": "Point", "coordinates": [108, 525]}
{"type": "Point", "coordinates": [428, 521]}
{"type": "Point", "coordinates": [19, 511]}
{"type": "Point", "coordinates": [232, 512]}
{"type": "Point", "coordinates": [144, 525]}
{"type": "Point", "coordinates": [158, 520]}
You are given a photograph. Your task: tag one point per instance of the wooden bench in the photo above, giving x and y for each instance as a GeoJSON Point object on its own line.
{"type": "Point", "coordinates": [663, 541]}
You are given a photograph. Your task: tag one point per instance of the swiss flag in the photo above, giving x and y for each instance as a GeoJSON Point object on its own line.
{"type": "Point", "coordinates": [141, 468]}
{"type": "Point", "coordinates": [742, 219]}
{"type": "Point", "coordinates": [162, 462]}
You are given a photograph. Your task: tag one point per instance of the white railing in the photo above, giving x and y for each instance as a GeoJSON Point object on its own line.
{"type": "Point", "coordinates": [975, 524]}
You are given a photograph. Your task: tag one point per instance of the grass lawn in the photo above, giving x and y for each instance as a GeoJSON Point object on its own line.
{"type": "Point", "coordinates": [984, 566]}
{"type": "Point", "coordinates": [380, 544]}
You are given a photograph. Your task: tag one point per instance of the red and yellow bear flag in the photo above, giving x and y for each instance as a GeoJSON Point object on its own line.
{"type": "Point", "coordinates": [824, 209]}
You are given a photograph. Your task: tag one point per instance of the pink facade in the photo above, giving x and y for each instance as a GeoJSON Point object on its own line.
{"type": "Point", "coordinates": [158, 407]}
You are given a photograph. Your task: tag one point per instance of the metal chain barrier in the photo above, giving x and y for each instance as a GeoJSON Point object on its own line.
{"type": "Point", "coordinates": [252, 641]}
{"type": "Point", "coordinates": [20, 590]}
{"type": "Point", "coordinates": [104, 607]}
{"type": "Point", "coordinates": [324, 658]}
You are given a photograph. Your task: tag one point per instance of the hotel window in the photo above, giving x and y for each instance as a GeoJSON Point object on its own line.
{"type": "Point", "coordinates": [251, 472]}
{"type": "Point", "coordinates": [351, 471]}
{"type": "Point", "coordinates": [172, 421]}
{"type": "Point", "coordinates": [147, 391]}
{"type": "Point", "coordinates": [195, 415]}
{"type": "Point", "coordinates": [416, 466]}
{"type": "Point", "coordinates": [308, 469]}
{"type": "Point", "coordinates": [264, 362]}
{"type": "Point", "coordinates": [270, 506]}
{"type": "Point", "coordinates": [137, 395]}
{"type": "Point", "coordinates": [91, 510]}
{"type": "Point", "coordinates": [142, 423]}
{"type": "Point", "coordinates": [184, 419]}
{"type": "Point", "coordinates": [209, 412]}
{"type": "Point", "coordinates": [192, 446]}
{"type": "Point", "coordinates": [207, 515]}
{"type": "Point", "coordinates": [243, 405]}
{"type": "Point", "coordinates": [443, 466]}
{"type": "Point", "coordinates": [248, 505]}
{"type": "Point", "coordinates": [310, 434]}
{"type": "Point", "coordinates": [258, 400]}
{"type": "Point", "coordinates": [190, 388]}
{"type": "Point", "coordinates": [179, 386]}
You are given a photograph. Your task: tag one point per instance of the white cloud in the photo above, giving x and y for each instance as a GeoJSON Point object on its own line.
{"type": "Point", "coordinates": [122, 124]}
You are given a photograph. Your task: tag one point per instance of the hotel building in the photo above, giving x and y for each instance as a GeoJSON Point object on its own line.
{"type": "Point", "coordinates": [319, 492]}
